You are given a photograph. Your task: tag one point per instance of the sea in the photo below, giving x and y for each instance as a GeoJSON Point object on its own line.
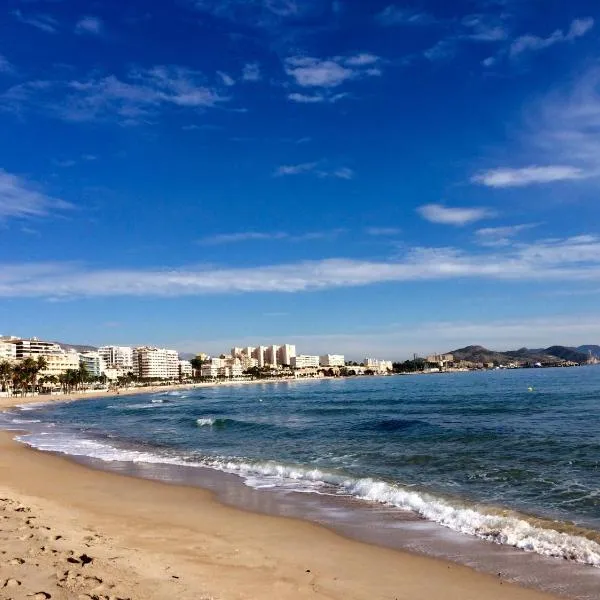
{"type": "Point", "coordinates": [499, 470]}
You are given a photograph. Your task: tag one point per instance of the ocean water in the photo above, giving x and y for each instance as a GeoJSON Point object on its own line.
{"type": "Point", "coordinates": [512, 457]}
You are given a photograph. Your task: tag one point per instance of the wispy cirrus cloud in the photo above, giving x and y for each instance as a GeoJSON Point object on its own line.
{"type": "Point", "coordinates": [506, 177]}
{"type": "Point", "coordinates": [501, 236]}
{"type": "Point", "coordinates": [444, 215]}
{"type": "Point", "coordinates": [89, 25]}
{"type": "Point", "coordinates": [21, 199]}
{"type": "Point", "coordinates": [251, 72]}
{"type": "Point", "coordinates": [575, 259]}
{"type": "Point", "coordinates": [262, 236]}
{"type": "Point", "coordinates": [5, 65]}
{"type": "Point", "coordinates": [42, 22]}
{"type": "Point", "coordinates": [137, 98]}
{"type": "Point", "coordinates": [533, 43]}
{"type": "Point", "coordinates": [323, 76]}
{"type": "Point", "coordinates": [315, 169]}
{"type": "Point", "coordinates": [394, 15]}
{"type": "Point", "coordinates": [383, 231]}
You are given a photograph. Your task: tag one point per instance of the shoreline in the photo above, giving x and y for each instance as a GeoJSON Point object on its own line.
{"type": "Point", "coordinates": [218, 550]}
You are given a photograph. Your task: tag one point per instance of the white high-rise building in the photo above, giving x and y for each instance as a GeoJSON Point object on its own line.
{"type": "Point", "coordinates": [382, 366]}
{"type": "Point", "coordinates": [185, 368]}
{"type": "Point", "coordinates": [332, 360]}
{"type": "Point", "coordinates": [271, 355]}
{"type": "Point", "coordinates": [155, 363]}
{"type": "Point", "coordinates": [117, 357]}
{"type": "Point", "coordinates": [303, 361]}
{"type": "Point", "coordinates": [285, 354]}
{"type": "Point", "coordinates": [259, 354]}
{"type": "Point", "coordinates": [8, 351]}
{"type": "Point", "coordinates": [57, 364]}
{"type": "Point", "coordinates": [93, 363]}
{"type": "Point", "coordinates": [33, 348]}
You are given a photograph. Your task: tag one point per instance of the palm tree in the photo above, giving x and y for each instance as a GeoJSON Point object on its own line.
{"type": "Point", "coordinates": [6, 374]}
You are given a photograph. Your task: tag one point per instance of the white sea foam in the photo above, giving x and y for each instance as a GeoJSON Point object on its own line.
{"type": "Point", "coordinates": [501, 529]}
{"type": "Point", "coordinates": [206, 422]}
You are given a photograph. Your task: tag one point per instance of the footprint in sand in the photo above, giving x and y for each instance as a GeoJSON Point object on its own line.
{"type": "Point", "coordinates": [11, 583]}
{"type": "Point", "coordinates": [16, 561]}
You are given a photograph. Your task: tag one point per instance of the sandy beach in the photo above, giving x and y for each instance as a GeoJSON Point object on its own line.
{"type": "Point", "coordinates": [69, 531]}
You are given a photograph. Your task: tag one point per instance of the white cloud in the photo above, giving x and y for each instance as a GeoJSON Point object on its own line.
{"type": "Point", "coordinates": [89, 25]}
{"type": "Point", "coordinates": [5, 66]}
{"type": "Point", "coordinates": [323, 76]}
{"type": "Point", "coordinates": [313, 167]}
{"type": "Point", "coordinates": [295, 169]}
{"type": "Point", "coordinates": [253, 236]}
{"type": "Point", "coordinates": [531, 43]}
{"type": "Point", "coordinates": [227, 80]}
{"type": "Point", "coordinates": [314, 72]}
{"type": "Point", "coordinates": [501, 236]}
{"type": "Point", "coordinates": [315, 98]}
{"type": "Point", "coordinates": [251, 72]}
{"type": "Point", "coordinates": [501, 178]}
{"type": "Point", "coordinates": [438, 213]}
{"type": "Point", "coordinates": [42, 22]}
{"type": "Point", "coordinates": [383, 231]}
{"type": "Point", "coordinates": [394, 15]}
{"type": "Point", "coordinates": [575, 259]}
{"type": "Point", "coordinates": [20, 199]}
{"type": "Point", "coordinates": [135, 99]}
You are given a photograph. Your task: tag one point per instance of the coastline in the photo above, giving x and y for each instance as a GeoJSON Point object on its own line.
{"type": "Point", "coordinates": [140, 543]}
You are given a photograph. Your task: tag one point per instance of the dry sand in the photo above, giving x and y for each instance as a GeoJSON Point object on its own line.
{"type": "Point", "coordinates": [68, 531]}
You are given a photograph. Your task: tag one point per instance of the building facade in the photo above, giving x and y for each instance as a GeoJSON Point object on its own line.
{"type": "Point", "coordinates": [185, 369]}
{"type": "Point", "coordinates": [304, 361]}
{"type": "Point", "coordinates": [8, 351]}
{"type": "Point", "coordinates": [155, 363]}
{"type": "Point", "coordinates": [57, 364]}
{"type": "Point", "coordinates": [332, 360]}
{"type": "Point", "coordinates": [33, 348]}
{"type": "Point", "coordinates": [117, 357]}
{"type": "Point", "coordinates": [93, 363]}
{"type": "Point", "coordinates": [285, 354]}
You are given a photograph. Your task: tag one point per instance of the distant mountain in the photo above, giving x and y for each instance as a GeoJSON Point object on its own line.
{"type": "Point", "coordinates": [595, 350]}
{"type": "Point", "coordinates": [76, 347]}
{"type": "Point", "coordinates": [479, 354]}
{"type": "Point", "coordinates": [186, 355]}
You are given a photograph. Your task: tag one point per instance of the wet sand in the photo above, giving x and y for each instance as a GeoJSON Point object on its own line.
{"type": "Point", "coordinates": [69, 531]}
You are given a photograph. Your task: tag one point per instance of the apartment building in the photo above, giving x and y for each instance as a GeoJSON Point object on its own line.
{"type": "Point", "coordinates": [285, 354]}
{"type": "Point", "coordinates": [93, 362]}
{"type": "Point", "coordinates": [32, 348]}
{"type": "Point", "coordinates": [259, 354]}
{"type": "Point", "coordinates": [57, 364]}
{"type": "Point", "coordinates": [8, 351]}
{"type": "Point", "coordinates": [117, 357]}
{"type": "Point", "coordinates": [155, 363]}
{"type": "Point", "coordinates": [382, 366]}
{"type": "Point", "coordinates": [332, 360]}
{"type": "Point", "coordinates": [271, 355]}
{"type": "Point", "coordinates": [304, 361]}
{"type": "Point", "coordinates": [185, 369]}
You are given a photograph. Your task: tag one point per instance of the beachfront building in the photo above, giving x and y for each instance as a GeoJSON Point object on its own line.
{"type": "Point", "coordinates": [32, 348]}
{"type": "Point", "coordinates": [259, 354]}
{"type": "Point", "coordinates": [8, 351]}
{"type": "Point", "coordinates": [209, 371]}
{"type": "Point", "coordinates": [440, 360]}
{"type": "Point", "coordinates": [57, 364]}
{"type": "Point", "coordinates": [185, 369]}
{"type": "Point", "coordinates": [332, 360]}
{"type": "Point", "coordinates": [155, 363]}
{"type": "Point", "coordinates": [117, 357]}
{"type": "Point", "coordinates": [285, 354]}
{"type": "Point", "coordinates": [379, 366]}
{"type": "Point", "coordinates": [248, 362]}
{"type": "Point", "coordinates": [304, 361]}
{"type": "Point", "coordinates": [93, 363]}
{"type": "Point", "coordinates": [271, 355]}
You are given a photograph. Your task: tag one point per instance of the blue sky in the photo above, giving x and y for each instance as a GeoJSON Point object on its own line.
{"type": "Point", "coordinates": [358, 177]}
